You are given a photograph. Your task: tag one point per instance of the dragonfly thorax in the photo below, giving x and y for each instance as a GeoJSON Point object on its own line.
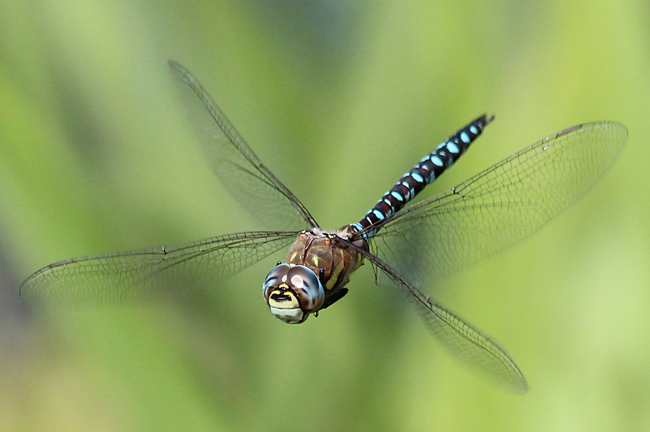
{"type": "Point", "coordinates": [318, 267]}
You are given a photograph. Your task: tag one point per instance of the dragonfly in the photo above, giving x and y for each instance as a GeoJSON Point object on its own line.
{"type": "Point", "coordinates": [409, 245]}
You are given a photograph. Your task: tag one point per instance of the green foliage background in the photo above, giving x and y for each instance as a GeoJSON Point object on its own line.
{"type": "Point", "coordinates": [339, 99]}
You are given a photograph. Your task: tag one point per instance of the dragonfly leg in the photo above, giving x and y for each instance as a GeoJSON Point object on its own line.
{"type": "Point", "coordinates": [336, 296]}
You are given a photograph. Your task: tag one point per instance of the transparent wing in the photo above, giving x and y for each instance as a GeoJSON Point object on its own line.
{"type": "Point", "coordinates": [235, 163]}
{"type": "Point", "coordinates": [498, 207]}
{"type": "Point", "coordinates": [150, 274]}
{"type": "Point", "coordinates": [461, 339]}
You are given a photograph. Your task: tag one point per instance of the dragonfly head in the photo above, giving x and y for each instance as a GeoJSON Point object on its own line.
{"type": "Point", "coordinates": [293, 292]}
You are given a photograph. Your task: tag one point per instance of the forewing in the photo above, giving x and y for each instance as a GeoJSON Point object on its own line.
{"type": "Point", "coordinates": [235, 163]}
{"type": "Point", "coordinates": [150, 274]}
{"type": "Point", "coordinates": [502, 205]}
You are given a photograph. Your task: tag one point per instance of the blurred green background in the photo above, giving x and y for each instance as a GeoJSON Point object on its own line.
{"type": "Point", "coordinates": [339, 99]}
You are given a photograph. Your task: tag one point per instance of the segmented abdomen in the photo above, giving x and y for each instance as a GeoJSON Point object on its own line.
{"type": "Point", "coordinates": [426, 171]}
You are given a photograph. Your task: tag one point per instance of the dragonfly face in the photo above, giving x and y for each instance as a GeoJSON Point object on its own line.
{"type": "Point", "coordinates": [293, 292]}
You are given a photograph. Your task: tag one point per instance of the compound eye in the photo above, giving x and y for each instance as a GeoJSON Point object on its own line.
{"type": "Point", "coordinates": [275, 278]}
{"type": "Point", "coordinates": [293, 292]}
{"type": "Point", "coordinates": [307, 287]}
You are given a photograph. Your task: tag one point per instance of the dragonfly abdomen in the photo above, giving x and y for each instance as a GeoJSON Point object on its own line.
{"type": "Point", "coordinates": [424, 172]}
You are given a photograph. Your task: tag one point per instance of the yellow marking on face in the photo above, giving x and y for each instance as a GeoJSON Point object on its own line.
{"type": "Point", "coordinates": [293, 256]}
{"type": "Point", "coordinates": [291, 303]}
{"type": "Point", "coordinates": [315, 260]}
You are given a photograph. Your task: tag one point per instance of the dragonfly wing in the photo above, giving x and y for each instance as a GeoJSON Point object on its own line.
{"type": "Point", "coordinates": [499, 207]}
{"type": "Point", "coordinates": [471, 346]}
{"type": "Point", "coordinates": [235, 163]}
{"type": "Point", "coordinates": [460, 338]}
{"type": "Point", "coordinates": [150, 274]}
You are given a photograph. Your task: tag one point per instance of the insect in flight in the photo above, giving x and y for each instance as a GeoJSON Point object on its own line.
{"type": "Point", "coordinates": [408, 245]}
